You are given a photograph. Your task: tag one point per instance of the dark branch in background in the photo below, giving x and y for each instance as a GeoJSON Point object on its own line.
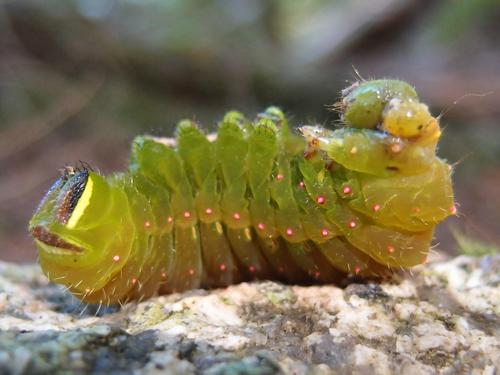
{"type": "Point", "coordinates": [21, 135]}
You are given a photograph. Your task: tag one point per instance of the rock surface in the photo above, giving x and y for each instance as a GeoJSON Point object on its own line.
{"type": "Point", "coordinates": [444, 318]}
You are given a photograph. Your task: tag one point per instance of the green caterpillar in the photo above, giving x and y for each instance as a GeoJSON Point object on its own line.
{"type": "Point", "coordinates": [256, 202]}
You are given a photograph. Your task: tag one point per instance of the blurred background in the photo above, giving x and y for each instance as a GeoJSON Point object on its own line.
{"type": "Point", "coordinates": [80, 78]}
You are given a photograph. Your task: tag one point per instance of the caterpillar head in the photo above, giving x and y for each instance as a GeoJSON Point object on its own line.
{"type": "Point", "coordinates": [388, 105]}
{"type": "Point", "coordinates": [71, 229]}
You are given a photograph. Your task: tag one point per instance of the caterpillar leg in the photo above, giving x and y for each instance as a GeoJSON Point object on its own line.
{"type": "Point", "coordinates": [311, 260]}
{"type": "Point", "coordinates": [220, 265]}
{"type": "Point", "coordinates": [239, 232]}
{"type": "Point", "coordinates": [247, 250]}
{"type": "Point", "coordinates": [187, 270]}
{"type": "Point", "coordinates": [347, 258]}
{"type": "Point", "coordinates": [279, 258]}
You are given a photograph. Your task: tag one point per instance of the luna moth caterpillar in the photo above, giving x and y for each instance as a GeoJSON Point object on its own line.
{"type": "Point", "coordinates": [258, 201]}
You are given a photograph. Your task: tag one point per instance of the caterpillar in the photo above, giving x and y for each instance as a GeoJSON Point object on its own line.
{"type": "Point", "coordinates": [256, 201]}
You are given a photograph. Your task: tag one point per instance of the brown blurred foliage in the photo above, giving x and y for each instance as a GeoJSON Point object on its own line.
{"type": "Point", "coordinates": [80, 78]}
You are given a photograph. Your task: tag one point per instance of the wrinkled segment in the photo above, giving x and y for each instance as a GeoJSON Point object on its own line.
{"type": "Point", "coordinates": [255, 202]}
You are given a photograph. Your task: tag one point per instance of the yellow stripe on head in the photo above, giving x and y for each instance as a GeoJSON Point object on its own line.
{"type": "Point", "coordinates": [82, 204]}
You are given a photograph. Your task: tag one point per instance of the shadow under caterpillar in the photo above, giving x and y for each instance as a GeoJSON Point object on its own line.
{"type": "Point", "coordinates": [255, 202]}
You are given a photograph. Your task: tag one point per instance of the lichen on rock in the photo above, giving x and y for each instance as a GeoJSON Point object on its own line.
{"type": "Point", "coordinates": [444, 318]}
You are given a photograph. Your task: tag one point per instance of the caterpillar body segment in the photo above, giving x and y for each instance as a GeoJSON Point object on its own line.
{"type": "Point", "coordinates": [256, 202]}
{"type": "Point", "coordinates": [231, 153]}
{"type": "Point", "coordinates": [199, 158]}
{"type": "Point", "coordinates": [375, 153]}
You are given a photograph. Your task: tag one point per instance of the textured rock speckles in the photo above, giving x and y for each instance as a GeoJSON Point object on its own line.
{"type": "Point", "coordinates": [371, 361]}
{"type": "Point", "coordinates": [443, 319]}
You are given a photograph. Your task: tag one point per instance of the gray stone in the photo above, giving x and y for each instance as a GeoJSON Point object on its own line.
{"type": "Point", "coordinates": [443, 318]}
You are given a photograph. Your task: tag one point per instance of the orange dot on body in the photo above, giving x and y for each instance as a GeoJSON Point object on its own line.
{"type": "Point", "coordinates": [134, 281]}
{"type": "Point", "coordinates": [325, 232]}
{"type": "Point", "coordinates": [453, 210]}
{"type": "Point", "coordinates": [236, 216]}
{"type": "Point", "coordinates": [261, 226]}
{"type": "Point", "coordinates": [347, 190]}
{"type": "Point", "coordinates": [191, 271]}
{"type": "Point", "coordinates": [317, 274]}
{"type": "Point", "coordinates": [396, 147]}
{"type": "Point", "coordinates": [187, 214]}
{"type": "Point", "coordinates": [170, 219]}
{"type": "Point", "coordinates": [147, 224]}
{"type": "Point", "coordinates": [222, 267]}
{"type": "Point", "coordinates": [376, 207]}
{"type": "Point", "coordinates": [289, 232]}
{"type": "Point", "coordinates": [354, 150]}
{"type": "Point", "coordinates": [116, 258]}
{"type": "Point", "coordinates": [301, 184]}
{"type": "Point", "coordinates": [209, 211]}
{"type": "Point", "coordinates": [280, 177]}
{"type": "Point", "coordinates": [251, 269]}
{"type": "Point", "coordinates": [320, 199]}
{"type": "Point", "coordinates": [164, 275]}
{"type": "Point", "coordinates": [357, 270]}
{"type": "Point", "coordinates": [390, 248]}
{"type": "Point", "coordinates": [352, 224]}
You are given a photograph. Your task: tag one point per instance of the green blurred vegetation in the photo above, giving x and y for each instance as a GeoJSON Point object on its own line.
{"type": "Point", "coordinates": [80, 78]}
{"type": "Point", "coordinates": [467, 245]}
